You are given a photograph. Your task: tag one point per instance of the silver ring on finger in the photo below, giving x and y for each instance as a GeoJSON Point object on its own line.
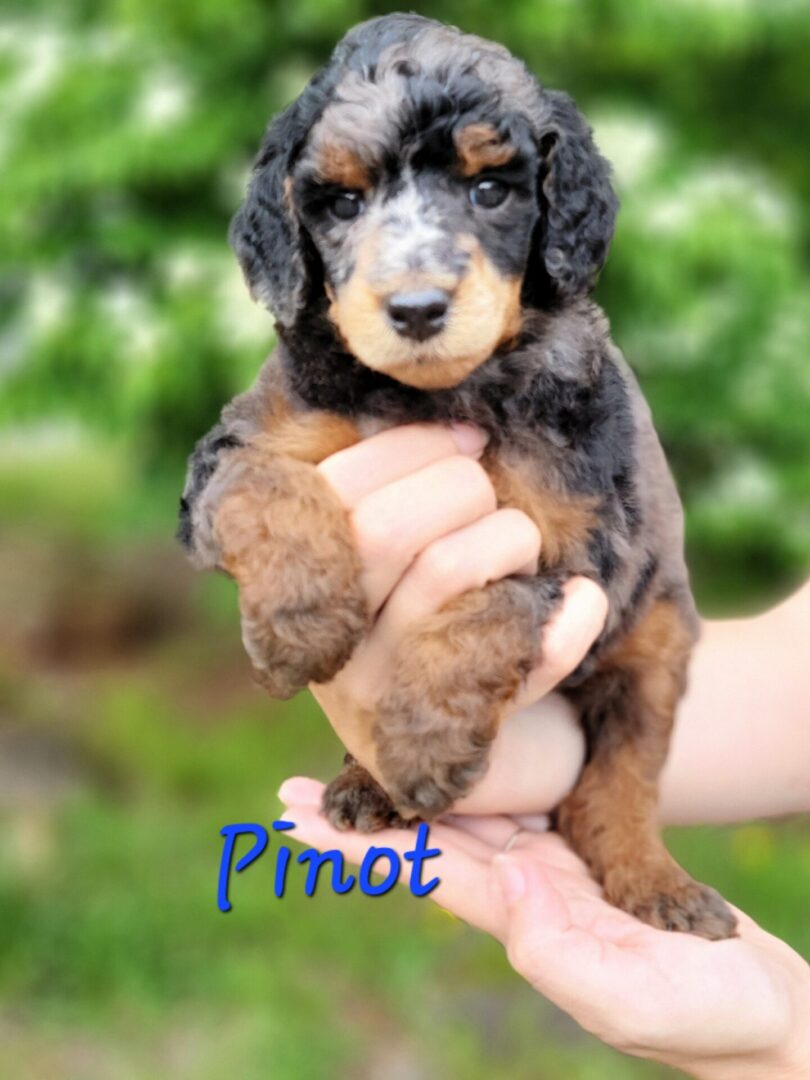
{"type": "Point", "coordinates": [510, 843]}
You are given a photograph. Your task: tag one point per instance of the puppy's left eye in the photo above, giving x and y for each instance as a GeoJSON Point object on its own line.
{"type": "Point", "coordinates": [488, 193]}
{"type": "Point", "coordinates": [347, 205]}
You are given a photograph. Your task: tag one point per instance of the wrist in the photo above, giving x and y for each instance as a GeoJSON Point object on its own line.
{"type": "Point", "coordinates": [787, 1058]}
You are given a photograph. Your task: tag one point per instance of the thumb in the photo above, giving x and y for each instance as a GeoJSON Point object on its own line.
{"type": "Point", "coordinates": [543, 944]}
{"type": "Point", "coordinates": [537, 915]}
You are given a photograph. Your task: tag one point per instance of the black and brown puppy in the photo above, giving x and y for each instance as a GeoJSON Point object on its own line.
{"type": "Point", "coordinates": [426, 223]}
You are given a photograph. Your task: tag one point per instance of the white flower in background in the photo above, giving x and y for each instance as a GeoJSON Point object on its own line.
{"type": "Point", "coordinates": [709, 187]}
{"type": "Point", "coordinates": [133, 320]}
{"type": "Point", "coordinates": [241, 321]}
{"type": "Point", "coordinates": [731, 7]}
{"type": "Point", "coordinates": [747, 483]}
{"type": "Point", "coordinates": [164, 101]}
{"type": "Point", "coordinates": [47, 303]}
{"type": "Point", "coordinates": [44, 308]}
{"type": "Point", "coordinates": [632, 142]}
{"type": "Point", "coordinates": [189, 267]}
{"type": "Point", "coordinates": [34, 56]}
{"type": "Point", "coordinates": [38, 56]}
{"type": "Point", "coordinates": [108, 43]}
{"type": "Point", "coordinates": [43, 440]}
{"type": "Point", "coordinates": [741, 9]}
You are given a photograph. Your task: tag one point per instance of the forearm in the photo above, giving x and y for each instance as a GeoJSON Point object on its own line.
{"type": "Point", "coordinates": [787, 1055]}
{"type": "Point", "coordinates": [741, 746]}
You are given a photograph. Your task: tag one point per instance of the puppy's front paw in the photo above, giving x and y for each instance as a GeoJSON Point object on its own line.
{"type": "Point", "coordinates": [453, 678]}
{"type": "Point", "coordinates": [286, 539]}
{"type": "Point", "coordinates": [426, 789]}
{"type": "Point", "coordinates": [354, 800]}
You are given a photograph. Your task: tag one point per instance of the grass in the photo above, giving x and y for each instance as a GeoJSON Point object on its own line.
{"type": "Point", "coordinates": [115, 962]}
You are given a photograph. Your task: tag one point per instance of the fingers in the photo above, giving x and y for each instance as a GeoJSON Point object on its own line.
{"type": "Point", "coordinates": [502, 543]}
{"type": "Point", "coordinates": [547, 937]}
{"type": "Point", "coordinates": [539, 750]}
{"type": "Point", "coordinates": [570, 633]}
{"type": "Point", "coordinates": [406, 487]}
{"type": "Point", "coordinates": [498, 832]}
{"type": "Point", "coordinates": [464, 882]}
{"type": "Point", "coordinates": [395, 453]}
{"type": "Point", "coordinates": [395, 522]}
{"type": "Point", "coordinates": [301, 792]}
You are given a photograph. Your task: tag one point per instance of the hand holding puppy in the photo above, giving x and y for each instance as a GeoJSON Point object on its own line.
{"type": "Point", "coordinates": [427, 530]}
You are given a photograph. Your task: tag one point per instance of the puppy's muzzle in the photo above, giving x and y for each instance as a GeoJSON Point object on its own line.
{"type": "Point", "coordinates": [418, 315]}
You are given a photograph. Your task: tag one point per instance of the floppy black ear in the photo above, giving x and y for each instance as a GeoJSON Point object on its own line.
{"type": "Point", "coordinates": [578, 204]}
{"type": "Point", "coordinates": [266, 234]}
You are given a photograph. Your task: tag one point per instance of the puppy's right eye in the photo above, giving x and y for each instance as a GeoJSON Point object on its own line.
{"type": "Point", "coordinates": [346, 205]}
{"type": "Point", "coordinates": [488, 193]}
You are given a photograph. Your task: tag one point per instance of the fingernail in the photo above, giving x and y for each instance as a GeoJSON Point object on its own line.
{"type": "Point", "coordinates": [510, 878]}
{"type": "Point", "coordinates": [468, 438]}
{"type": "Point", "coordinates": [296, 791]}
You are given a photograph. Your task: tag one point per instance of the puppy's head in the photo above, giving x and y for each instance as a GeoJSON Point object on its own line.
{"type": "Point", "coordinates": [424, 190]}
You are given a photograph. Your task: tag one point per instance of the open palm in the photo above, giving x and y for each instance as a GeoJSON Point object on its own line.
{"type": "Point", "coordinates": [670, 996]}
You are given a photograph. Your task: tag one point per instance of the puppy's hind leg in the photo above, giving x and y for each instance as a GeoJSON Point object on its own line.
{"type": "Point", "coordinates": [610, 818]}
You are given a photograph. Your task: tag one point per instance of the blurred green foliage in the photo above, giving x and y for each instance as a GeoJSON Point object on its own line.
{"type": "Point", "coordinates": [127, 128]}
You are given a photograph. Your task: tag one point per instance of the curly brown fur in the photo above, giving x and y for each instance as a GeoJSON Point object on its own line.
{"type": "Point", "coordinates": [610, 818]}
{"type": "Point", "coordinates": [480, 146]}
{"type": "Point", "coordinates": [287, 541]}
{"type": "Point", "coordinates": [354, 800]}
{"type": "Point", "coordinates": [565, 521]}
{"type": "Point", "coordinates": [426, 223]}
{"type": "Point", "coordinates": [454, 676]}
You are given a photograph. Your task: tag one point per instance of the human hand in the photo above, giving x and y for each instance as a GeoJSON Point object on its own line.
{"type": "Point", "coordinates": [729, 1009]}
{"type": "Point", "coordinates": [427, 528]}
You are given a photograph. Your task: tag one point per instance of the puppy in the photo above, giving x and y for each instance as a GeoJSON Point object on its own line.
{"type": "Point", "coordinates": [426, 223]}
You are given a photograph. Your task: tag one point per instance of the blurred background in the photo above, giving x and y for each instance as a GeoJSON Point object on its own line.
{"type": "Point", "coordinates": [130, 731]}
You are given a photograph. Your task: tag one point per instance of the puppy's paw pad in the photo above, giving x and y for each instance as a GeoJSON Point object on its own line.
{"type": "Point", "coordinates": [351, 803]}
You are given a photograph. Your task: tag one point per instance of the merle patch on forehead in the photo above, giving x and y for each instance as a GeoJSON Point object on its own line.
{"type": "Point", "coordinates": [412, 103]}
{"type": "Point", "coordinates": [464, 145]}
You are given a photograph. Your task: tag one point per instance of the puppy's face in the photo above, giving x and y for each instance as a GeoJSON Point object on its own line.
{"type": "Point", "coordinates": [423, 249]}
{"type": "Point", "coordinates": [425, 182]}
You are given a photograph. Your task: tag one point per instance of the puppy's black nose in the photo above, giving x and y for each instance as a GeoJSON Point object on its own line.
{"type": "Point", "coordinates": [418, 315]}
